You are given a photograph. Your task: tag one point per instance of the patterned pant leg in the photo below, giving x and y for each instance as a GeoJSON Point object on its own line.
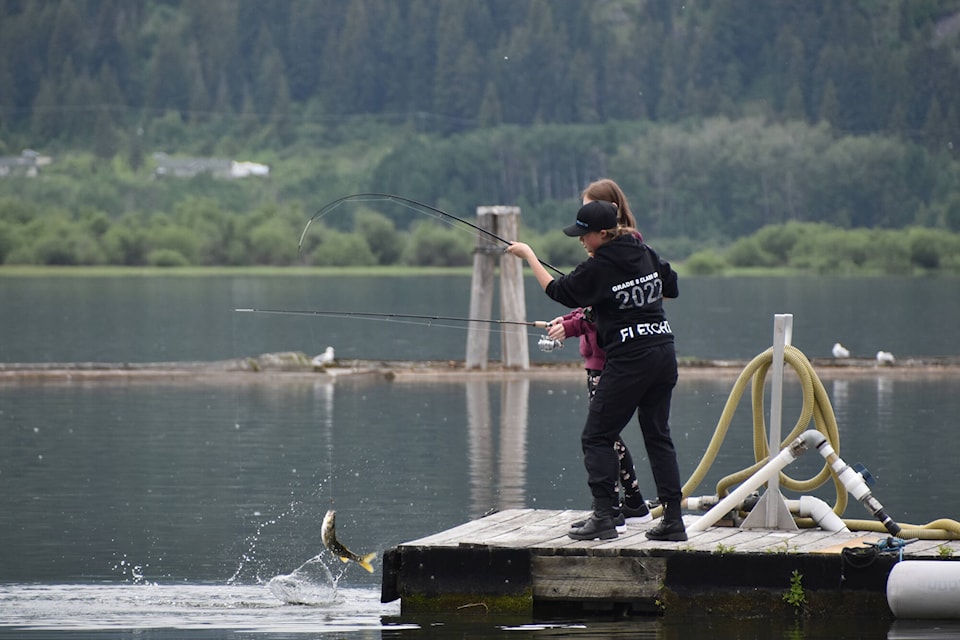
{"type": "Point", "coordinates": [628, 474]}
{"type": "Point", "coordinates": [593, 379]}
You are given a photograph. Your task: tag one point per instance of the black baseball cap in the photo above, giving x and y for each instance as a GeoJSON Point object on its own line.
{"type": "Point", "coordinates": [593, 216]}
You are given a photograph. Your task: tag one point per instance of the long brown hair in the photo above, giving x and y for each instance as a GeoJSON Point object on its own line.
{"type": "Point", "coordinates": [607, 190]}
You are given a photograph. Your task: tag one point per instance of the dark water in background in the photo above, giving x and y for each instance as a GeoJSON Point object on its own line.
{"type": "Point", "coordinates": [192, 509]}
{"type": "Point", "coordinates": [154, 319]}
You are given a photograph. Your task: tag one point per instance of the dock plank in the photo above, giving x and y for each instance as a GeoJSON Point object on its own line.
{"type": "Point", "coordinates": [450, 537]}
{"type": "Point", "coordinates": [517, 532]}
{"type": "Point", "coordinates": [930, 548]}
{"type": "Point", "coordinates": [836, 543]}
{"type": "Point", "coordinates": [768, 542]}
{"type": "Point", "coordinates": [736, 541]}
{"type": "Point", "coordinates": [818, 541]}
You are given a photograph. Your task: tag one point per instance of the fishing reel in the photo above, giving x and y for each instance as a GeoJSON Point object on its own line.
{"type": "Point", "coordinates": [548, 344]}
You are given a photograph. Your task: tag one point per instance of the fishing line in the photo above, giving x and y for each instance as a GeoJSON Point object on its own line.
{"type": "Point", "coordinates": [250, 540]}
{"type": "Point", "coordinates": [541, 324]}
{"type": "Point", "coordinates": [409, 203]}
{"type": "Point", "coordinates": [419, 207]}
{"type": "Point", "coordinates": [436, 322]}
{"type": "Point", "coordinates": [544, 342]}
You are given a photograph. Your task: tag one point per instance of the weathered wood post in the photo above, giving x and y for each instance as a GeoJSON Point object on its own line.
{"type": "Point", "coordinates": [513, 304]}
{"type": "Point", "coordinates": [504, 222]}
{"type": "Point", "coordinates": [481, 292]}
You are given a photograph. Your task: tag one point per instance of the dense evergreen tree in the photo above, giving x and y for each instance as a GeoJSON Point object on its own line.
{"type": "Point", "coordinates": [658, 59]}
{"type": "Point", "coordinates": [718, 117]}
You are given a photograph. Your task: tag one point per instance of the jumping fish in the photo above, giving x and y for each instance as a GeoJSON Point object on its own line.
{"type": "Point", "coordinates": [330, 542]}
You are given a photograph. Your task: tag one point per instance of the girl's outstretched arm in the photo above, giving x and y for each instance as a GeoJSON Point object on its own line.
{"type": "Point", "coordinates": [522, 250]}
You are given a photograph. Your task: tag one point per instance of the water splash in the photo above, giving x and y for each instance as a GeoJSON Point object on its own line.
{"type": "Point", "coordinates": [135, 573]}
{"type": "Point", "coordinates": [309, 584]}
{"type": "Point", "coordinates": [249, 558]}
{"type": "Point", "coordinates": [252, 564]}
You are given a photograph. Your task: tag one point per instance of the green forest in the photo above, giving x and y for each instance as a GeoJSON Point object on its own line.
{"type": "Point", "coordinates": [812, 135]}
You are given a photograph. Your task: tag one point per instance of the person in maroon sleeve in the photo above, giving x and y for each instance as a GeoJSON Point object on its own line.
{"type": "Point", "coordinates": [624, 281]}
{"type": "Point", "coordinates": [579, 324]}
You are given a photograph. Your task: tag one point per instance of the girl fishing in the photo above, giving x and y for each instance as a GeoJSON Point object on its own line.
{"type": "Point", "coordinates": [624, 281]}
{"type": "Point", "coordinates": [580, 323]}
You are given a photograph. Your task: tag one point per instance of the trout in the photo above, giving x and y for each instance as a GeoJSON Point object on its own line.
{"type": "Point", "coordinates": [330, 542]}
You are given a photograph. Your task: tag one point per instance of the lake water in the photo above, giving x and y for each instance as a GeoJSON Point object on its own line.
{"type": "Point", "coordinates": [192, 509]}
{"type": "Point", "coordinates": [152, 319]}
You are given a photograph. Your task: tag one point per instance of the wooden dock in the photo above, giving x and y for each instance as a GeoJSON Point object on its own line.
{"type": "Point", "coordinates": [521, 560]}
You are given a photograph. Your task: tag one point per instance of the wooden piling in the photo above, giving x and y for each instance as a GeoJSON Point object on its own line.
{"type": "Point", "coordinates": [504, 222]}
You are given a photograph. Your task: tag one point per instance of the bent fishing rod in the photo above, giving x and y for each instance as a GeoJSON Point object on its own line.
{"type": "Point", "coordinates": [540, 324]}
{"type": "Point", "coordinates": [407, 202]}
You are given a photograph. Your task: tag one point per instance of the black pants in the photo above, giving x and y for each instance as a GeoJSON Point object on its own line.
{"type": "Point", "coordinates": [628, 475]}
{"type": "Point", "coordinates": [643, 386]}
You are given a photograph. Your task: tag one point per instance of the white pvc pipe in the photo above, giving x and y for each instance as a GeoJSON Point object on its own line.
{"type": "Point", "coordinates": [852, 480]}
{"type": "Point", "coordinates": [734, 498]}
{"type": "Point", "coordinates": [924, 589]}
{"type": "Point", "coordinates": [699, 503]}
{"type": "Point", "coordinates": [820, 511]}
{"type": "Point", "coordinates": [805, 507]}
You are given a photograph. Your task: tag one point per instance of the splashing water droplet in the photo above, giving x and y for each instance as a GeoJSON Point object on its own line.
{"type": "Point", "coordinates": [311, 584]}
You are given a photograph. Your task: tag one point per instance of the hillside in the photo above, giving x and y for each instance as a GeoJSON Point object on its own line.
{"type": "Point", "coordinates": [718, 117]}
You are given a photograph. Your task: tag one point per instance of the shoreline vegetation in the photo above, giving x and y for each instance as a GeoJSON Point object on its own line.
{"type": "Point", "coordinates": [111, 271]}
{"type": "Point", "coordinates": [175, 133]}
{"type": "Point", "coordinates": [294, 366]}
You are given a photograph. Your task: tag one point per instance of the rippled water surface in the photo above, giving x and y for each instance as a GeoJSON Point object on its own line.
{"type": "Point", "coordinates": [179, 612]}
{"type": "Point", "coordinates": [164, 318]}
{"type": "Point", "coordinates": [178, 509]}
{"type": "Point", "coordinates": [186, 607]}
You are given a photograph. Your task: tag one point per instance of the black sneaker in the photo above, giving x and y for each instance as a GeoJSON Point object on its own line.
{"type": "Point", "coordinates": [595, 528]}
{"type": "Point", "coordinates": [618, 520]}
{"type": "Point", "coordinates": [668, 530]}
{"type": "Point", "coordinates": [636, 515]}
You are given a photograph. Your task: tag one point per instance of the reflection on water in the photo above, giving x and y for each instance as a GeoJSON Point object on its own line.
{"type": "Point", "coordinates": [886, 420]}
{"type": "Point", "coordinates": [197, 504]}
{"type": "Point", "coordinates": [840, 395]}
{"type": "Point", "coordinates": [498, 470]}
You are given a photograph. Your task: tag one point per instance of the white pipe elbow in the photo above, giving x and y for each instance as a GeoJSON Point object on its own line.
{"type": "Point", "coordinates": [820, 511]}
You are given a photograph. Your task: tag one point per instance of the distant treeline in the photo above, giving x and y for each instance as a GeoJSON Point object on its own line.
{"type": "Point", "coordinates": [718, 117]}
{"type": "Point", "coordinates": [199, 232]}
{"type": "Point", "coordinates": [692, 187]}
{"type": "Point", "coordinates": [98, 73]}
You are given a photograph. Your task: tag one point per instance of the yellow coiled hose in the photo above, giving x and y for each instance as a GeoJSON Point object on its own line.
{"type": "Point", "coordinates": [816, 407]}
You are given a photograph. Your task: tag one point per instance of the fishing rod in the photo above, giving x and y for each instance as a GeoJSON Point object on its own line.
{"type": "Point", "coordinates": [540, 324]}
{"type": "Point", "coordinates": [406, 202]}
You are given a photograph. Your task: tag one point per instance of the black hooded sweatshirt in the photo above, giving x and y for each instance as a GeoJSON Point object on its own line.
{"type": "Point", "coordinates": [625, 282]}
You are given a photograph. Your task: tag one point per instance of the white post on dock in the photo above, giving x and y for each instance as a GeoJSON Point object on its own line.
{"type": "Point", "coordinates": [772, 507]}
{"type": "Point", "coordinates": [505, 222]}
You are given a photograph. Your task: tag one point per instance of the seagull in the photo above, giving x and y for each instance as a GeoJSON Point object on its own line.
{"type": "Point", "coordinates": [885, 357]}
{"type": "Point", "coordinates": [839, 351]}
{"type": "Point", "coordinates": [324, 359]}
